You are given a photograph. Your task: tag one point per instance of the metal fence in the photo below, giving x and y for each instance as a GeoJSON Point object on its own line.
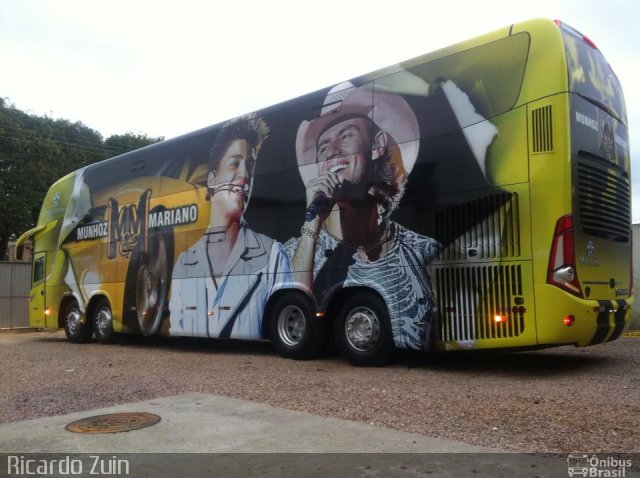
{"type": "Point", "coordinates": [636, 273]}
{"type": "Point", "coordinates": [15, 283]}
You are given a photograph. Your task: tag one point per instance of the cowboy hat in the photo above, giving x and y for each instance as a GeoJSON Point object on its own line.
{"type": "Point", "coordinates": [389, 111]}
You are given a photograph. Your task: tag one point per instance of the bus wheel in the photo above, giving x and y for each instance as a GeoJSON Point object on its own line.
{"type": "Point", "coordinates": [76, 327]}
{"type": "Point", "coordinates": [103, 323]}
{"type": "Point", "coordinates": [153, 279]}
{"type": "Point", "coordinates": [294, 330]}
{"type": "Point", "coordinates": [363, 331]}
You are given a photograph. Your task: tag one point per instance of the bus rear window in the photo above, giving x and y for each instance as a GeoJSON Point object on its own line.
{"type": "Point", "coordinates": [590, 74]}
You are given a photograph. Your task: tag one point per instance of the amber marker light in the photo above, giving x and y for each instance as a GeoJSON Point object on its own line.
{"type": "Point", "coordinates": [500, 319]}
{"type": "Point", "coordinates": [47, 311]}
{"type": "Point", "coordinates": [319, 314]}
{"type": "Point", "coordinates": [569, 320]}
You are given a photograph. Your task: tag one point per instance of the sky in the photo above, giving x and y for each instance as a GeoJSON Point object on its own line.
{"type": "Point", "coordinates": [167, 68]}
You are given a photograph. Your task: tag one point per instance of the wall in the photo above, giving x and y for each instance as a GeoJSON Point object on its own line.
{"type": "Point", "coordinates": [15, 283]}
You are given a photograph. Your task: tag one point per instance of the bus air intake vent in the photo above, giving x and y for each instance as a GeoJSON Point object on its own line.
{"type": "Point", "coordinates": [542, 125]}
{"type": "Point", "coordinates": [470, 298]}
{"type": "Point", "coordinates": [487, 227]}
{"type": "Point", "coordinates": [603, 192]}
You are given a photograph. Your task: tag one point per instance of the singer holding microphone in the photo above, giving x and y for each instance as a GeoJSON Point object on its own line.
{"type": "Point", "coordinates": [221, 284]}
{"type": "Point", "coordinates": [354, 159]}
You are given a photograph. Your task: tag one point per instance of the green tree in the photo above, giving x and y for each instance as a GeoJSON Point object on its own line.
{"type": "Point", "coordinates": [36, 151]}
{"type": "Point", "coordinates": [129, 141]}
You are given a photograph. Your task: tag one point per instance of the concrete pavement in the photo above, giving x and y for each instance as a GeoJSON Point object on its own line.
{"type": "Point", "coordinates": [201, 423]}
{"type": "Point", "coordinates": [202, 435]}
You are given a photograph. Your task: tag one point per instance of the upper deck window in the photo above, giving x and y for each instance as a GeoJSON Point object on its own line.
{"type": "Point", "coordinates": [590, 75]}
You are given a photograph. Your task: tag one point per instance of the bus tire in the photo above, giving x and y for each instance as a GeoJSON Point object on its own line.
{"type": "Point", "coordinates": [294, 330]}
{"type": "Point", "coordinates": [147, 283]}
{"type": "Point", "coordinates": [363, 330]}
{"type": "Point", "coordinates": [77, 328]}
{"type": "Point", "coordinates": [102, 319]}
{"type": "Point", "coordinates": [154, 275]}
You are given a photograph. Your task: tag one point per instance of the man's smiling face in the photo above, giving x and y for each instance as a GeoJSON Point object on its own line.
{"type": "Point", "coordinates": [343, 149]}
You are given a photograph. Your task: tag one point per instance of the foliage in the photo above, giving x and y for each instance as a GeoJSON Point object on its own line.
{"type": "Point", "coordinates": [36, 151]}
{"type": "Point", "coordinates": [128, 141]}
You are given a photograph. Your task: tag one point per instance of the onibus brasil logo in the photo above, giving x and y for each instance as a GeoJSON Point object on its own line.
{"type": "Point", "coordinates": [594, 466]}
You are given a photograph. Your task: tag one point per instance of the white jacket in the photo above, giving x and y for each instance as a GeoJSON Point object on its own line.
{"type": "Point", "coordinates": [256, 267]}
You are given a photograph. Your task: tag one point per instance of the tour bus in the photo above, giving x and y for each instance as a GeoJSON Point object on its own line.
{"type": "Point", "coordinates": [477, 197]}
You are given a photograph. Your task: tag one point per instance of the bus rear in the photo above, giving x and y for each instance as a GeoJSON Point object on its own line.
{"type": "Point", "coordinates": [585, 295]}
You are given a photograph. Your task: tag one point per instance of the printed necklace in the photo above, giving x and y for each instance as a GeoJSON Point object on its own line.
{"type": "Point", "coordinates": [388, 232]}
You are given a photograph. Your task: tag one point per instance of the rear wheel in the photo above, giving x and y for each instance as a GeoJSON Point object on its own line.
{"type": "Point", "coordinates": [77, 327]}
{"type": "Point", "coordinates": [103, 323]}
{"type": "Point", "coordinates": [147, 283]}
{"type": "Point", "coordinates": [152, 284]}
{"type": "Point", "coordinates": [363, 330]}
{"type": "Point", "coordinates": [294, 330]}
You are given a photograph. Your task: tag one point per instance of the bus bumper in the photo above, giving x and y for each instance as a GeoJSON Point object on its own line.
{"type": "Point", "coordinates": [565, 319]}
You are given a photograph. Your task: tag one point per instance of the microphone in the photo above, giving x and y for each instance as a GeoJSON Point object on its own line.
{"type": "Point", "coordinates": [241, 189]}
{"type": "Point", "coordinates": [234, 188]}
{"type": "Point", "coordinates": [319, 204]}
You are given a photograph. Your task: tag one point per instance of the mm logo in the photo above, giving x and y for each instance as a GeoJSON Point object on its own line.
{"type": "Point", "coordinates": [128, 226]}
{"type": "Point", "coordinates": [607, 141]}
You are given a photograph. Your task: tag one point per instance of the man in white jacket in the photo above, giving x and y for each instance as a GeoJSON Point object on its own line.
{"type": "Point", "coordinates": [220, 285]}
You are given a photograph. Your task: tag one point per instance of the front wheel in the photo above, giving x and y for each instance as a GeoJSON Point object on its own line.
{"type": "Point", "coordinates": [294, 330]}
{"type": "Point", "coordinates": [77, 328]}
{"type": "Point", "coordinates": [103, 323]}
{"type": "Point", "coordinates": [363, 331]}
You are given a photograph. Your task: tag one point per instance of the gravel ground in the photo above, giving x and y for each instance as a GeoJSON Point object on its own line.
{"type": "Point", "coordinates": [561, 400]}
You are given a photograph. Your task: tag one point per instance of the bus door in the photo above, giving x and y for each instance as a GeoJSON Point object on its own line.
{"type": "Point", "coordinates": [37, 299]}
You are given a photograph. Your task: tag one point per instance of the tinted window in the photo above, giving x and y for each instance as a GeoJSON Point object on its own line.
{"type": "Point", "coordinates": [490, 74]}
{"type": "Point", "coordinates": [591, 76]}
{"type": "Point", "coordinates": [38, 269]}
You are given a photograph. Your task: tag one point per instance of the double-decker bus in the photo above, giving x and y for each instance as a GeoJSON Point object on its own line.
{"type": "Point", "coordinates": [477, 197]}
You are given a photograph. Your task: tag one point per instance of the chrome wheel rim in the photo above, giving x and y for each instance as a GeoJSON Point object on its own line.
{"type": "Point", "coordinates": [103, 321]}
{"type": "Point", "coordinates": [292, 325]}
{"type": "Point", "coordinates": [74, 321]}
{"type": "Point", "coordinates": [362, 329]}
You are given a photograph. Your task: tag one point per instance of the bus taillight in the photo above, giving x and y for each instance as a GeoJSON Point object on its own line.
{"type": "Point", "coordinates": [589, 42]}
{"type": "Point", "coordinates": [562, 261]}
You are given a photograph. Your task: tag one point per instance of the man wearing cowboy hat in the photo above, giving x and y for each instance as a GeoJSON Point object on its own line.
{"type": "Point", "coordinates": [354, 159]}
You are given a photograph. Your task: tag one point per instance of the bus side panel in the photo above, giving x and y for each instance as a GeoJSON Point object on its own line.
{"type": "Point", "coordinates": [483, 278]}
{"type": "Point", "coordinates": [550, 171]}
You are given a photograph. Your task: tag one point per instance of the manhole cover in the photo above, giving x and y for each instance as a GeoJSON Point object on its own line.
{"type": "Point", "coordinates": [113, 423]}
